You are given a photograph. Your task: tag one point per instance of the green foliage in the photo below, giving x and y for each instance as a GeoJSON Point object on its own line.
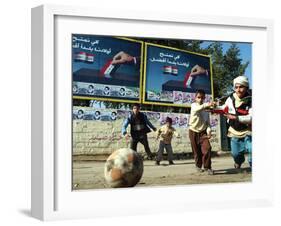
{"type": "Point", "coordinates": [225, 67]}
{"type": "Point", "coordinates": [194, 46]}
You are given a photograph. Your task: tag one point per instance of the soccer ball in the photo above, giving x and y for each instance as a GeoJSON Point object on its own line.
{"type": "Point", "coordinates": [123, 168]}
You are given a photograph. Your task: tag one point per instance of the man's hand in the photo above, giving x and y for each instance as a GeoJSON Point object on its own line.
{"type": "Point", "coordinates": [122, 58]}
{"type": "Point", "coordinates": [196, 70]}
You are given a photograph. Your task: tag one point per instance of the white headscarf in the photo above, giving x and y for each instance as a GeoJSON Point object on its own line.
{"type": "Point", "coordinates": [242, 80]}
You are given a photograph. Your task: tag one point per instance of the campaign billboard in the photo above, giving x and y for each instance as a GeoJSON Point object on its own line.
{"type": "Point", "coordinates": [172, 76]}
{"type": "Point", "coordinates": [106, 68]}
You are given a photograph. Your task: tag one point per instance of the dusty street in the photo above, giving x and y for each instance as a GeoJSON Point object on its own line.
{"type": "Point", "coordinates": [89, 174]}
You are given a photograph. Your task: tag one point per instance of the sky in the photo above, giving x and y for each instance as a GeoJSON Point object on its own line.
{"type": "Point", "coordinates": [245, 54]}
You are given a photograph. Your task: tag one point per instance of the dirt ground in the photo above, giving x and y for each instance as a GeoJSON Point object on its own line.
{"type": "Point", "coordinates": [90, 174]}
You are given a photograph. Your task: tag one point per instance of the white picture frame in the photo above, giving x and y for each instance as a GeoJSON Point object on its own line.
{"type": "Point", "coordinates": [52, 197]}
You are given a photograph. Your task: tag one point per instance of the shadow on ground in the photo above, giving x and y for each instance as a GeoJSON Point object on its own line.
{"type": "Point", "coordinates": [232, 171]}
{"type": "Point", "coordinates": [175, 164]}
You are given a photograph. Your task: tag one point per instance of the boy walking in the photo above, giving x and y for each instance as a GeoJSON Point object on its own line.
{"type": "Point", "coordinates": [200, 133]}
{"type": "Point", "coordinates": [166, 133]}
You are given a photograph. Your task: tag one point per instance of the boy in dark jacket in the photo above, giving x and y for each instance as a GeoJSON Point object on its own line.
{"type": "Point", "coordinates": [140, 126]}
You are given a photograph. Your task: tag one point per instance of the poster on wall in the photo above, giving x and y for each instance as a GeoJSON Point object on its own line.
{"type": "Point", "coordinates": [105, 67]}
{"type": "Point", "coordinates": [172, 76]}
{"type": "Point", "coordinates": [97, 114]}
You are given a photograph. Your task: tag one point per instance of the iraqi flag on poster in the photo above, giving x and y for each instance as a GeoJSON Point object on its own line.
{"type": "Point", "coordinates": [90, 58]}
{"type": "Point", "coordinates": [84, 57]}
{"type": "Point", "coordinates": [175, 70]}
{"type": "Point", "coordinates": [170, 70]}
{"type": "Point", "coordinates": [167, 69]}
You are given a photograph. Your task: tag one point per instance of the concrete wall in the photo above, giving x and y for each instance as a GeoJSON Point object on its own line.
{"type": "Point", "coordinates": [96, 137]}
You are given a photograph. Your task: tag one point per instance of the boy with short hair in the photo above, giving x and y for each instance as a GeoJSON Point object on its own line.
{"type": "Point", "coordinates": [200, 133]}
{"type": "Point", "coordinates": [140, 127]}
{"type": "Point", "coordinates": [166, 133]}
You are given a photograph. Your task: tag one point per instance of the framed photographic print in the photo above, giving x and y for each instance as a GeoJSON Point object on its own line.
{"type": "Point", "coordinates": [153, 112]}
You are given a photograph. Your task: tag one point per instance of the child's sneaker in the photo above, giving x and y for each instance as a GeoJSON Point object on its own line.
{"type": "Point", "coordinates": [199, 170]}
{"type": "Point", "coordinates": [237, 166]}
{"type": "Point", "coordinates": [210, 171]}
{"type": "Point", "coordinates": [250, 164]}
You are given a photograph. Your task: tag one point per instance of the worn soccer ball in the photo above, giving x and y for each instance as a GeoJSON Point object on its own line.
{"type": "Point", "coordinates": [123, 168]}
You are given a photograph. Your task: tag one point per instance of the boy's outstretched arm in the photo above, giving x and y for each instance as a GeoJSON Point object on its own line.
{"type": "Point", "coordinates": [200, 107]}
{"type": "Point", "coordinates": [245, 119]}
{"type": "Point", "coordinates": [125, 126]}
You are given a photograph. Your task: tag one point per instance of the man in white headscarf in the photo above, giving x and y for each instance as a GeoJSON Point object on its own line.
{"type": "Point", "coordinates": [239, 118]}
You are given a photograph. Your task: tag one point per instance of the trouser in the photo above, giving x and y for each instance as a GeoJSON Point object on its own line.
{"type": "Point", "coordinates": [201, 149]}
{"type": "Point", "coordinates": [168, 148]}
{"type": "Point", "coordinates": [143, 140]}
{"type": "Point", "coordinates": [239, 146]}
